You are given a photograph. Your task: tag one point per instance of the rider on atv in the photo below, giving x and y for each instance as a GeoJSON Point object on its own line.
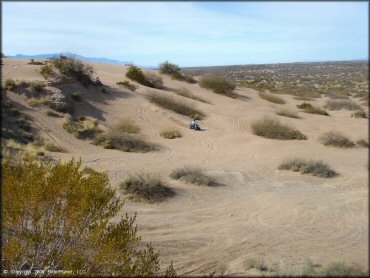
{"type": "Point", "coordinates": [194, 125]}
{"type": "Point", "coordinates": [98, 82]}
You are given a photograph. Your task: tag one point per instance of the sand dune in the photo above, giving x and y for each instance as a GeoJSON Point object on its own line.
{"type": "Point", "coordinates": [282, 216]}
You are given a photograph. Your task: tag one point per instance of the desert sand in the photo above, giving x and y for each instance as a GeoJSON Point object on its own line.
{"type": "Point", "coordinates": [260, 211]}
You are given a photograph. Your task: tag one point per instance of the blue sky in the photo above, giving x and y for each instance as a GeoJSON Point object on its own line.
{"type": "Point", "coordinates": [189, 33]}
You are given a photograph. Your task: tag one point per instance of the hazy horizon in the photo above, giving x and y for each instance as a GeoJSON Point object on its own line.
{"type": "Point", "coordinates": [190, 34]}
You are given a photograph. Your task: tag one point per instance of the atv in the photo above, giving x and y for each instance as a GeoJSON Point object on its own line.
{"type": "Point", "coordinates": [195, 127]}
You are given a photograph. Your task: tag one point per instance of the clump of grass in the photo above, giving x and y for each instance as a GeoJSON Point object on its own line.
{"type": "Point", "coordinates": [336, 139]}
{"type": "Point", "coordinates": [9, 84]}
{"type": "Point", "coordinates": [193, 176]}
{"type": "Point", "coordinates": [341, 269]}
{"type": "Point", "coordinates": [273, 129]}
{"type": "Point", "coordinates": [46, 71]}
{"type": "Point", "coordinates": [271, 98]}
{"type": "Point", "coordinates": [76, 96]}
{"type": "Point", "coordinates": [256, 263]}
{"type": "Point", "coordinates": [288, 113]}
{"type": "Point", "coordinates": [359, 114]}
{"type": "Point", "coordinates": [342, 104]}
{"type": "Point", "coordinates": [146, 186]}
{"type": "Point", "coordinates": [124, 142]}
{"type": "Point", "coordinates": [54, 148]}
{"type": "Point", "coordinates": [219, 85]}
{"type": "Point", "coordinates": [309, 108]}
{"type": "Point", "coordinates": [127, 85]}
{"type": "Point", "coordinates": [127, 125]}
{"type": "Point", "coordinates": [170, 133]}
{"type": "Point", "coordinates": [186, 93]}
{"type": "Point", "coordinates": [315, 168]}
{"type": "Point", "coordinates": [179, 107]}
{"type": "Point", "coordinates": [362, 143]}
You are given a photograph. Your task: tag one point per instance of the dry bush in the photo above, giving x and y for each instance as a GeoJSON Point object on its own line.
{"type": "Point", "coordinates": [309, 108]}
{"type": "Point", "coordinates": [54, 148]}
{"type": "Point", "coordinates": [256, 263]}
{"type": "Point", "coordinates": [51, 113]}
{"type": "Point", "coordinates": [46, 71]}
{"type": "Point", "coordinates": [271, 98]}
{"type": "Point", "coordinates": [9, 84]}
{"type": "Point", "coordinates": [58, 216]}
{"type": "Point", "coordinates": [336, 139]}
{"type": "Point", "coordinates": [341, 269]}
{"type": "Point", "coordinates": [219, 85]}
{"type": "Point", "coordinates": [154, 80]}
{"type": "Point", "coordinates": [272, 128]}
{"type": "Point", "coordinates": [342, 104]}
{"type": "Point", "coordinates": [186, 93]}
{"type": "Point", "coordinates": [288, 113]}
{"type": "Point", "coordinates": [362, 143]}
{"type": "Point", "coordinates": [175, 105]}
{"type": "Point", "coordinates": [146, 186]}
{"type": "Point", "coordinates": [81, 130]}
{"type": "Point", "coordinates": [170, 133]}
{"type": "Point", "coordinates": [359, 114]}
{"type": "Point", "coordinates": [124, 142]}
{"type": "Point", "coordinates": [193, 176]}
{"type": "Point", "coordinates": [127, 125]}
{"type": "Point", "coordinates": [175, 72]}
{"type": "Point", "coordinates": [136, 74]}
{"type": "Point", "coordinates": [315, 168]}
{"type": "Point", "coordinates": [36, 87]}
{"type": "Point", "coordinates": [32, 102]}
{"type": "Point", "coordinates": [127, 85]}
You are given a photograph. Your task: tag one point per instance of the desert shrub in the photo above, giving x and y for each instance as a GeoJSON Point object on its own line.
{"type": "Point", "coordinates": [148, 187]}
{"type": "Point", "coordinates": [170, 133]}
{"type": "Point", "coordinates": [127, 125]}
{"type": "Point", "coordinates": [154, 80]}
{"type": "Point", "coordinates": [168, 68]}
{"type": "Point", "coordinates": [359, 114]}
{"type": "Point", "coordinates": [71, 126]}
{"type": "Point", "coordinates": [76, 96]}
{"type": "Point", "coordinates": [54, 148]}
{"type": "Point", "coordinates": [186, 93]}
{"type": "Point", "coordinates": [128, 85]}
{"type": "Point", "coordinates": [341, 269]}
{"type": "Point", "coordinates": [51, 113]}
{"type": "Point", "coordinates": [218, 85]}
{"type": "Point", "coordinates": [80, 118]}
{"type": "Point", "coordinates": [81, 130]}
{"type": "Point", "coordinates": [23, 123]}
{"type": "Point", "coordinates": [336, 95]}
{"type": "Point", "coordinates": [33, 62]}
{"type": "Point", "coordinates": [46, 71]}
{"type": "Point", "coordinates": [57, 216]}
{"type": "Point", "coordinates": [136, 74]}
{"type": "Point", "coordinates": [305, 105]}
{"type": "Point", "coordinates": [124, 142]}
{"type": "Point", "coordinates": [193, 176]}
{"type": "Point", "coordinates": [362, 143]}
{"type": "Point", "coordinates": [44, 100]}
{"type": "Point", "coordinates": [271, 98]}
{"type": "Point", "coordinates": [256, 263]}
{"type": "Point", "coordinates": [32, 102]}
{"type": "Point", "coordinates": [175, 105]}
{"type": "Point", "coordinates": [74, 68]}
{"type": "Point", "coordinates": [341, 104]}
{"type": "Point", "coordinates": [287, 113]}
{"type": "Point", "coordinates": [315, 168]}
{"type": "Point", "coordinates": [9, 84]}
{"type": "Point", "coordinates": [309, 108]}
{"type": "Point", "coordinates": [272, 128]}
{"type": "Point", "coordinates": [336, 139]}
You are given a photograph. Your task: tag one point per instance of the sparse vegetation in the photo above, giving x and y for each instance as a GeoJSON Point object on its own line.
{"type": "Point", "coordinates": [170, 133]}
{"type": "Point", "coordinates": [359, 114]}
{"type": "Point", "coordinates": [51, 113]}
{"type": "Point", "coordinates": [219, 85]}
{"type": "Point", "coordinates": [288, 113]}
{"type": "Point", "coordinates": [154, 81]}
{"type": "Point", "coordinates": [33, 62]}
{"type": "Point", "coordinates": [175, 72]}
{"type": "Point", "coordinates": [336, 139]}
{"type": "Point", "coordinates": [186, 93]}
{"type": "Point", "coordinates": [272, 128]}
{"type": "Point", "coordinates": [342, 104]}
{"type": "Point", "coordinates": [304, 98]}
{"type": "Point", "coordinates": [127, 125]}
{"type": "Point", "coordinates": [9, 84]}
{"type": "Point", "coordinates": [54, 148]}
{"type": "Point", "coordinates": [146, 186]}
{"type": "Point", "coordinates": [136, 74]}
{"type": "Point", "coordinates": [193, 176]}
{"type": "Point", "coordinates": [309, 108]}
{"type": "Point", "coordinates": [175, 105]}
{"type": "Point", "coordinates": [221, 268]}
{"type": "Point", "coordinates": [271, 98]}
{"type": "Point", "coordinates": [81, 130]}
{"type": "Point", "coordinates": [362, 143]}
{"type": "Point", "coordinates": [46, 71]}
{"type": "Point", "coordinates": [256, 263]}
{"type": "Point", "coordinates": [315, 168]}
{"type": "Point", "coordinates": [128, 85]}
{"type": "Point", "coordinates": [36, 87]}
{"type": "Point", "coordinates": [341, 269]}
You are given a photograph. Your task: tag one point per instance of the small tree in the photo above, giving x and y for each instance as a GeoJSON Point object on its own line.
{"type": "Point", "coordinates": [59, 217]}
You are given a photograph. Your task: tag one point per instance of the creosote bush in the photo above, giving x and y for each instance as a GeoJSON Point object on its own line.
{"type": "Point", "coordinates": [36, 87]}
{"type": "Point", "coordinates": [146, 186]}
{"type": "Point", "coordinates": [175, 105]}
{"type": "Point", "coordinates": [127, 85]}
{"type": "Point", "coordinates": [271, 98]}
{"type": "Point", "coordinates": [9, 84]}
{"type": "Point", "coordinates": [175, 72]}
{"type": "Point", "coordinates": [46, 71]}
{"type": "Point", "coordinates": [58, 216]}
{"type": "Point", "coordinates": [127, 125]}
{"type": "Point", "coordinates": [219, 85]}
{"type": "Point", "coordinates": [309, 108]}
{"type": "Point", "coordinates": [81, 130]}
{"type": "Point", "coordinates": [272, 128]}
{"type": "Point", "coordinates": [315, 168]}
{"type": "Point", "coordinates": [193, 176]}
{"type": "Point", "coordinates": [362, 143]}
{"type": "Point", "coordinates": [341, 104]}
{"type": "Point", "coordinates": [336, 139]}
{"type": "Point", "coordinates": [359, 114]}
{"type": "Point", "coordinates": [170, 133]}
{"type": "Point", "coordinates": [136, 74]}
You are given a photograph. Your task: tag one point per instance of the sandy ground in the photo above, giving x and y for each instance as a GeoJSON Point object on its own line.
{"type": "Point", "coordinates": [260, 211]}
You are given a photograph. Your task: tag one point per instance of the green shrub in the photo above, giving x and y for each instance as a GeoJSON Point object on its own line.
{"type": "Point", "coordinates": [128, 85]}
{"type": "Point", "coordinates": [309, 108]}
{"type": "Point", "coordinates": [36, 87]}
{"type": "Point", "coordinates": [362, 143]}
{"type": "Point", "coordinates": [336, 139]}
{"type": "Point", "coordinates": [342, 104]}
{"type": "Point", "coordinates": [287, 113]}
{"type": "Point", "coordinates": [57, 212]}
{"type": "Point", "coordinates": [341, 269]}
{"type": "Point", "coordinates": [168, 68]}
{"type": "Point", "coordinates": [193, 176]}
{"type": "Point", "coordinates": [273, 129]}
{"type": "Point", "coordinates": [9, 84]}
{"type": "Point", "coordinates": [76, 96]}
{"type": "Point", "coordinates": [218, 85]}
{"type": "Point", "coordinates": [271, 98]}
{"type": "Point", "coordinates": [124, 142]}
{"type": "Point", "coordinates": [127, 125]}
{"type": "Point", "coordinates": [170, 133]}
{"type": "Point", "coordinates": [148, 187]}
{"type": "Point", "coordinates": [315, 168]}
{"type": "Point", "coordinates": [175, 105]}
{"type": "Point", "coordinates": [256, 263]}
{"type": "Point", "coordinates": [359, 114]}
{"type": "Point", "coordinates": [186, 93]}
{"type": "Point", "coordinates": [136, 74]}
{"type": "Point", "coordinates": [46, 71]}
